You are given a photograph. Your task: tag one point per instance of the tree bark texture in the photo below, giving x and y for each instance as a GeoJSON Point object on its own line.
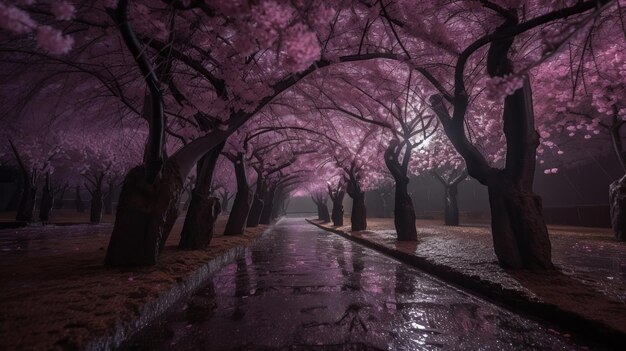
{"type": "Point", "coordinates": [322, 208]}
{"type": "Point", "coordinates": [268, 206]}
{"type": "Point", "coordinates": [200, 222]}
{"type": "Point", "coordinates": [358, 217]}
{"type": "Point", "coordinates": [201, 216]}
{"type": "Point", "coordinates": [254, 216]}
{"type": "Point", "coordinates": [617, 202]}
{"type": "Point", "coordinates": [336, 196]}
{"type": "Point", "coordinates": [144, 217]}
{"type": "Point", "coordinates": [241, 206]}
{"type": "Point", "coordinates": [450, 196]}
{"type": "Point", "coordinates": [403, 212]}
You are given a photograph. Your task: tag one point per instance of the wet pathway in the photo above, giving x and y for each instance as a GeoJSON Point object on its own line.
{"type": "Point", "coordinates": [302, 288]}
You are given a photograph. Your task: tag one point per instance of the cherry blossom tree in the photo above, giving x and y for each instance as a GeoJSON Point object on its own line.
{"type": "Point", "coordinates": [519, 231]}
{"type": "Point", "coordinates": [390, 97]}
{"type": "Point", "coordinates": [192, 73]}
{"type": "Point", "coordinates": [355, 155]}
{"type": "Point", "coordinates": [583, 108]}
{"type": "Point", "coordinates": [35, 155]}
{"type": "Point", "coordinates": [319, 196]}
{"type": "Point", "coordinates": [101, 158]}
{"type": "Point", "coordinates": [235, 96]}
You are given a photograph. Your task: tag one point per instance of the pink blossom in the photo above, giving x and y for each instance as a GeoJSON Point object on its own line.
{"type": "Point", "coordinates": [302, 48]}
{"type": "Point", "coordinates": [63, 10]}
{"type": "Point", "coordinates": [15, 20]}
{"type": "Point", "coordinates": [500, 87]}
{"type": "Point", "coordinates": [53, 41]}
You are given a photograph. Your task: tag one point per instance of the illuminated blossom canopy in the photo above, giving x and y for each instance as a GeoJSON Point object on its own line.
{"type": "Point", "coordinates": [312, 94]}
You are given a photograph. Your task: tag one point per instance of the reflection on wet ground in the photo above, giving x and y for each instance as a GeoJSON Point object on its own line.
{"type": "Point", "coordinates": [300, 287]}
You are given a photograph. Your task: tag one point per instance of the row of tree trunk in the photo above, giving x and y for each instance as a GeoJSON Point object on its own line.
{"type": "Point", "coordinates": [53, 198]}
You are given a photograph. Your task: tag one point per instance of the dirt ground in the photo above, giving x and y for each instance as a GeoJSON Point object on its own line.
{"type": "Point", "coordinates": [590, 279]}
{"type": "Point", "coordinates": [55, 292]}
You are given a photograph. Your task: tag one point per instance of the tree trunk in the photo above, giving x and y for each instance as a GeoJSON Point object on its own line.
{"type": "Point", "coordinates": [617, 202]}
{"type": "Point", "coordinates": [241, 206]}
{"type": "Point", "coordinates": [404, 213]}
{"type": "Point", "coordinates": [520, 235]}
{"type": "Point", "coordinates": [324, 214]}
{"type": "Point", "coordinates": [451, 207]}
{"type": "Point", "coordinates": [358, 218]}
{"type": "Point", "coordinates": [95, 211]}
{"type": "Point", "coordinates": [225, 202]}
{"type": "Point", "coordinates": [451, 190]}
{"type": "Point", "coordinates": [278, 209]}
{"type": "Point", "coordinates": [239, 213]}
{"type": "Point", "coordinates": [200, 218]}
{"type": "Point", "coordinates": [26, 208]}
{"type": "Point", "coordinates": [200, 222]}
{"type": "Point", "coordinates": [337, 212]}
{"type": "Point", "coordinates": [322, 209]}
{"type": "Point", "coordinates": [268, 205]}
{"type": "Point", "coordinates": [108, 200]}
{"type": "Point", "coordinates": [78, 200]}
{"type": "Point", "coordinates": [47, 201]}
{"type": "Point", "coordinates": [284, 206]}
{"type": "Point", "coordinates": [144, 217]}
{"type": "Point", "coordinates": [59, 202]}
{"type": "Point", "coordinates": [617, 189]}
{"type": "Point", "coordinates": [254, 216]}
{"type": "Point", "coordinates": [188, 200]}
{"type": "Point", "coordinates": [319, 210]}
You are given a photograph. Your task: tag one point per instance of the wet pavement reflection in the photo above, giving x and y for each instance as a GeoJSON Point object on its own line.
{"type": "Point", "coordinates": [301, 288]}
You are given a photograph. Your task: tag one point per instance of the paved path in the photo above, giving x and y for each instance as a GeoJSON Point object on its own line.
{"type": "Point", "coordinates": [302, 288]}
